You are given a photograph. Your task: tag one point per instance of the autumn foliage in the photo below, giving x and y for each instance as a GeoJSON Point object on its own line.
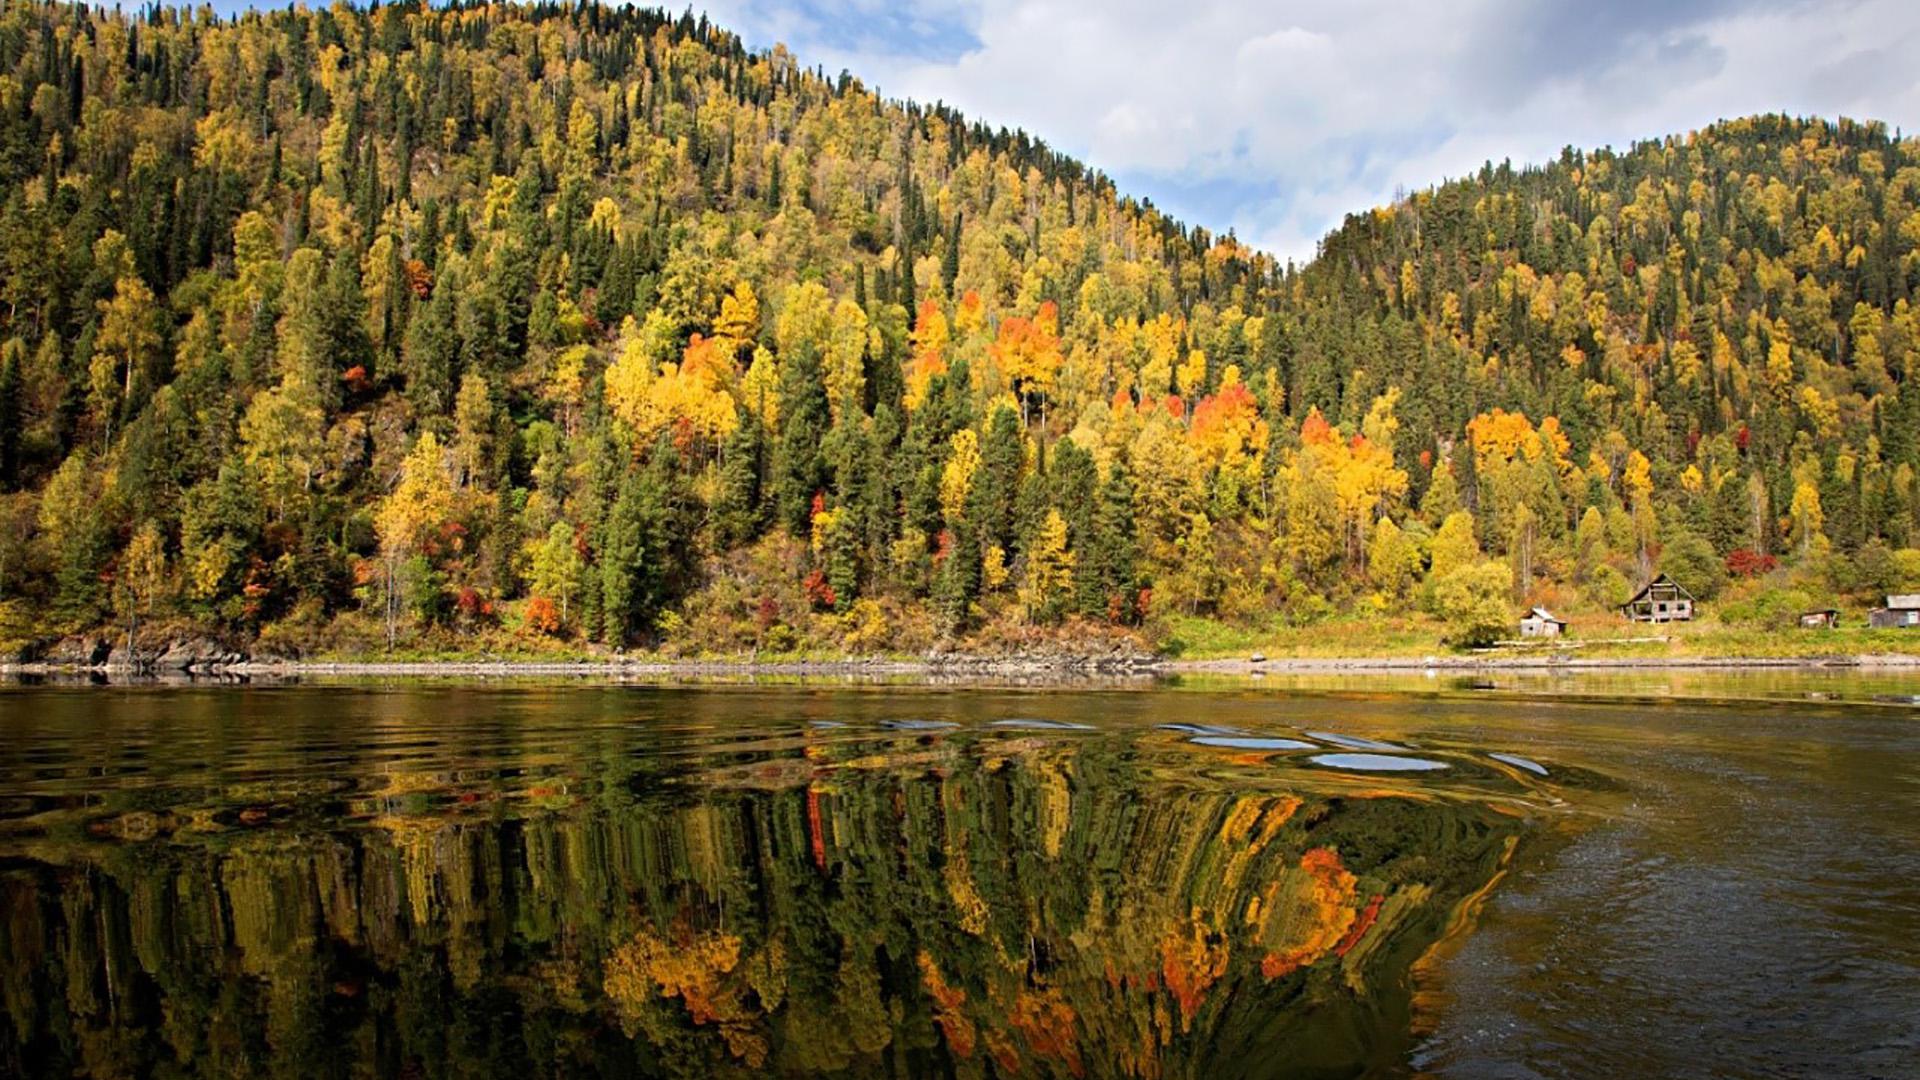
{"type": "Point", "coordinates": [588, 304]}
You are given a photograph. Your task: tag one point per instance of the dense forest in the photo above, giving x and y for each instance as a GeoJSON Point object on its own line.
{"type": "Point", "coordinates": [552, 325]}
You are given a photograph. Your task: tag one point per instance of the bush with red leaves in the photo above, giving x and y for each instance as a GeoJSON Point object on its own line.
{"type": "Point", "coordinates": [1748, 563]}
{"type": "Point", "coordinates": [819, 593]}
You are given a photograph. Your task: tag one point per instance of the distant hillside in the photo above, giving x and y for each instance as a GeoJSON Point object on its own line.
{"type": "Point", "coordinates": [529, 326]}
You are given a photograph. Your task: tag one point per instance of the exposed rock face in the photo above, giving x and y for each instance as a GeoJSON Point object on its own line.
{"type": "Point", "coordinates": [1100, 657]}
{"type": "Point", "coordinates": [82, 651]}
{"type": "Point", "coordinates": [197, 654]}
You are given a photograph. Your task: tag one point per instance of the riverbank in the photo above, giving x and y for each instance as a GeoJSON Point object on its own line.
{"type": "Point", "coordinates": [1171, 646]}
{"type": "Point", "coordinates": [967, 666]}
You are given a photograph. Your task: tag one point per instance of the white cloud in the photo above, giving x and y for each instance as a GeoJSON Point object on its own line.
{"type": "Point", "coordinates": [1276, 119]}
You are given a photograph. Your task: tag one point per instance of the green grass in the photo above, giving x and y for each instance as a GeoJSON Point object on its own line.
{"type": "Point", "coordinates": [1396, 634]}
{"type": "Point", "coordinates": [1198, 638]}
{"type": "Point", "coordinates": [1189, 637]}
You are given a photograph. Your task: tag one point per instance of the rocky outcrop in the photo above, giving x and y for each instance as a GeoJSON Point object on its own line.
{"type": "Point", "coordinates": [79, 651]}
{"type": "Point", "coordinates": [198, 655]}
{"type": "Point", "coordinates": [1115, 659]}
{"type": "Point", "coordinates": [195, 655]}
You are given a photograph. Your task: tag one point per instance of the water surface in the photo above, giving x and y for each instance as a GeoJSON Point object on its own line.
{"type": "Point", "coordinates": [841, 880]}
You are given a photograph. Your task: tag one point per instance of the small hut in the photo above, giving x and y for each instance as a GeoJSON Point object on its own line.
{"type": "Point", "coordinates": [1662, 600]}
{"type": "Point", "coordinates": [1902, 611]}
{"type": "Point", "coordinates": [1824, 619]}
{"type": "Point", "coordinates": [1541, 623]}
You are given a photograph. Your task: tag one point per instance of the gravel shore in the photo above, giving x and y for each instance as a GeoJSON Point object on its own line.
{"type": "Point", "coordinates": [954, 666]}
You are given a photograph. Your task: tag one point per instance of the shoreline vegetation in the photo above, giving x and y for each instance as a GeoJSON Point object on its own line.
{"type": "Point", "coordinates": [1192, 647]}
{"type": "Point", "coordinates": [534, 333]}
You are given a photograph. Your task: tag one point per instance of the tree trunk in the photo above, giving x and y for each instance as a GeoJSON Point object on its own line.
{"type": "Point", "coordinates": [391, 604]}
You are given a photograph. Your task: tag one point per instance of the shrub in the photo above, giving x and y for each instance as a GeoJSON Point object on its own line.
{"type": "Point", "coordinates": [1471, 599]}
{"type": "Point", "coordinates": [1767, 609]}
{"type": "Point", "coordinates": [1746, 562]}
{"type": "Point", "coordinates": [542, 615]}
{"type": "Point", "coordinates": [1607, 587]}
{"type": "Point", "coordinates": [1689, 559]}
{"type": "Point", "coordinates": [1906, 569]}
{"type": "Point", "coordinates": [864, 628]}
{"type": "Point", "coordinates": [1305, 607]}
{"type": "Point", "coordinates": [424, 590]}
{"type": "Point", "coordinates": [1885, 570]}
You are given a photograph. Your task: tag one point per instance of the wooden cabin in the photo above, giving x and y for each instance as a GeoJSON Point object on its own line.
{"type": "Point", "coordinates": [1541, 623]}
{"type": "Point", "coordinates": [1902, 611]}
{"type": "Point", "coordinates": [1826, 619]}
{"type": "Point", "coordinates": [1661, 600]}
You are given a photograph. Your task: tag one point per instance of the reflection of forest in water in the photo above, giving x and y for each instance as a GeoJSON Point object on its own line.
{"type": "Point", "coordinates": [966, 903]}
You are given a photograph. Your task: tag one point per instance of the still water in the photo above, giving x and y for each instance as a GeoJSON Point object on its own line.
{"type": "Point", "coordinates": [1166, 880]}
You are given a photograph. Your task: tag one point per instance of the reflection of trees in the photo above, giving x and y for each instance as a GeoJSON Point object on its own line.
{"type": "Point", "coordinates": [1027, 909]}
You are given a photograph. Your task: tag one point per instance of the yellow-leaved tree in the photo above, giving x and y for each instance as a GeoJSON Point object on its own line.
{"type": "Point", "coordinates": [1049, 577]}
{"type": "Point", "coordinates": [410, 516]}
{"type": "Point", "coordinates": [692, 399]}
{"type": "Point", "coordinates": [845, 369]}
{"type": "Point", "coordinates": [956, 477]}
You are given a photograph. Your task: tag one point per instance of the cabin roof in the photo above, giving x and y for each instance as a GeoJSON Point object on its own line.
{"type": "Point", "coordinates": [1903, 601]}
{"type": "Point", "coordinates": [1820, 611]}
{"type": "Point", "coordinates": [1544, 615]}
{"type": "Point", "coordinates": [1660, 579]}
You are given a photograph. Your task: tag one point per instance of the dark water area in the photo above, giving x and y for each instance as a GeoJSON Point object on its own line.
{"type": "Point", "coordinates": [1212, 879]}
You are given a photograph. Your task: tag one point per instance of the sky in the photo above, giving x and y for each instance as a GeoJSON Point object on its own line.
{"type": "Point", "coordinates": [1276, 119]}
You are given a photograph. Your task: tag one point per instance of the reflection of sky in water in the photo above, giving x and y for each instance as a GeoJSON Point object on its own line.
{"type": "Point", "coordinates": [1353, 742]}
{"type": "Point", "coordinates": [1248, 742]}
{"type": "Point", "coordinates": [919, 725]}
{"type": "Point", "coordinates": [1519, 762]}
{"type": "Point", "coordinates": [1028, 724]}
{"type": "Point", "coordinates": [1200, 729]}
{"type": "Point", "coordinates": [1376, 762]}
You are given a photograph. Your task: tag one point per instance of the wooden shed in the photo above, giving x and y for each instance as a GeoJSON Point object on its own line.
{"type": "Point", "coordinates": [1541, 623]}
{"type": "Point", "coordinates": [1826, 619]}
{"type": "Point", "coordinates": [1902, 611]}
{"type": "Point", "coordinates": [1661, 600]}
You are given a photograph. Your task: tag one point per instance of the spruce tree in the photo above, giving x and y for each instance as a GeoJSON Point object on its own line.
{"type": "Point", "coordinates": [799, 468]}
{"type": "Point", "coordinates": [739, 512]}
{"type": "Point", "coordinates": [1111, 561]}
{"type": "Point", "coordinates": [429, 355]}
{"type": "Point", "coordinates": [629, 584]}
{"type": "Point", "coordinates": [950, 257]}
{"type": "Point", "coordinates": [12, 358]}
{"type": "Point", "coordinates": [997, 486]}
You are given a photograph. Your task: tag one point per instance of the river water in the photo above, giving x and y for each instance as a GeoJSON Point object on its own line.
{"type": "Point", "coordinates": [1657, 876]}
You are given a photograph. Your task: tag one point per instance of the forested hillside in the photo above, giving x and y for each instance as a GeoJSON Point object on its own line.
{"type": "Point", "coordinates": [542, 326]}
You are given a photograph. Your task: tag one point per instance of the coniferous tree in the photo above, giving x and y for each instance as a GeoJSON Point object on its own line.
{"type": "Point", "coordinates": [996, 488]}
{"type": "Point", "coordinates": [13, 356]}
{"type": "Point", "coordinates": [630, 581]}
{"type": "Point", "coordinates": [430, 355]}
{"type": "Point", "coordinates": [1110, 562]}
{"type": "Point", "coordinates": [739, 511]}
{"type": "Point", "coordinates": [799, 467]}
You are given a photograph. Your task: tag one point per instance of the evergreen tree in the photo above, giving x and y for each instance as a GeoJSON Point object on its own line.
{"type": "Point", "coordinates": [1108, 576]}
{"type": "Point", "coordinates": [631, 582]}
{"type": "Point", "coordinates": [799, 467]}
{"type": "Point", "coordinates": [430, 356]}
{"type": "Point", "coordinates": [739, 512]}
{"type": "Point", "coordinates": [13, 355]}
{"type": "Point", "coordinates": [996, 487]}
